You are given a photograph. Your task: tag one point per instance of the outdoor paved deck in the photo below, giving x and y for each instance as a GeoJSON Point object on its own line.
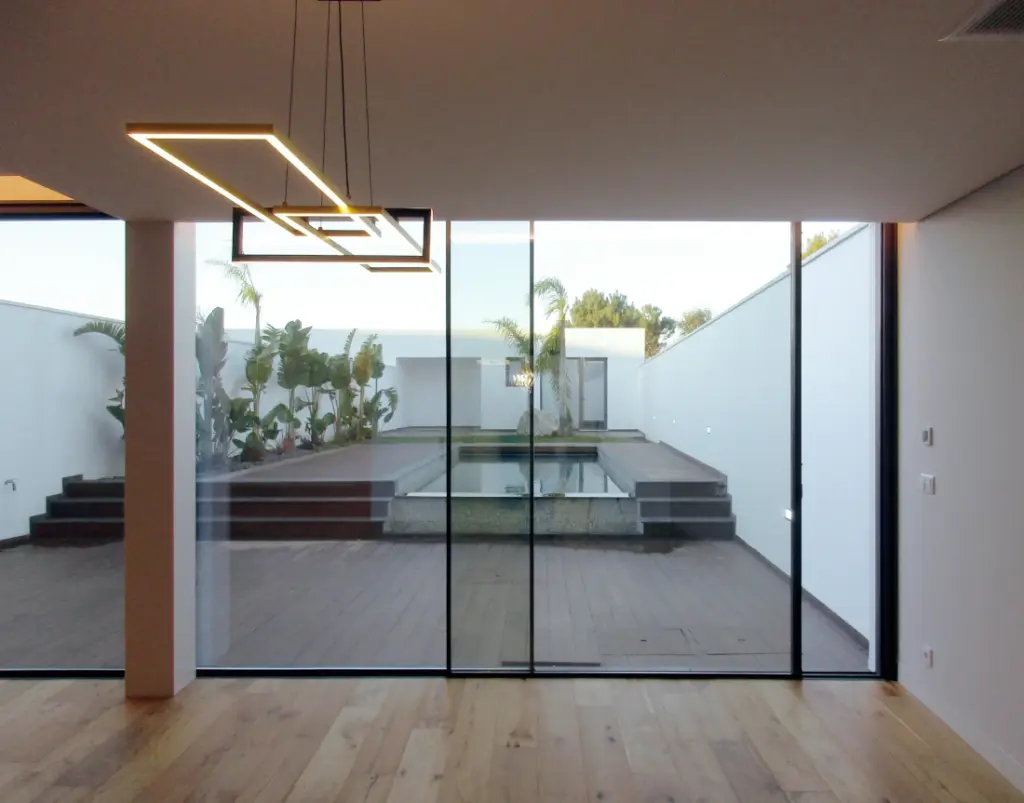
{"type": "Point", "coordinates": [702, 606]}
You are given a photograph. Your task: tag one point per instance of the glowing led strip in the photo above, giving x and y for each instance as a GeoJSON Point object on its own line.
{"type": "Point", "coordinates": [148, 134]}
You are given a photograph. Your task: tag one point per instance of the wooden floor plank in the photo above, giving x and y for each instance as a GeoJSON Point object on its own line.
{"type": "Point", "coordinates": [474, 740]}
{"type": "Point", "coordinates": [698, 606]}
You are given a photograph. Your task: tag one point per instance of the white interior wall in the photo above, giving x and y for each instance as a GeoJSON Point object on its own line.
{"type": "Point", "coordinates": [54, 403]}
{"type": "Point", "coordinates": [722, 395]}
{"type": "Point", "coordinates": [961, 289]}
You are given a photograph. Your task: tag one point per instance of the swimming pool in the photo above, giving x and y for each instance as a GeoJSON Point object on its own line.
{"type": "Point", "coordinates": [510, 474]}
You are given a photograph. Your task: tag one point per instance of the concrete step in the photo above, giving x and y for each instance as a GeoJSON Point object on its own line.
{"type": "Point", "coordinates": [303, 489]}
{"type": "Point", "coordinates": [684, 489]}
{"type": "Point", "coordinates": [686, 507]}
{"type": "Point", "coordinates": [699, 529]}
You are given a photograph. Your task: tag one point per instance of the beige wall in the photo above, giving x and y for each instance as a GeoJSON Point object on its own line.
{"type": "Point", "coordinates": [962, 550]}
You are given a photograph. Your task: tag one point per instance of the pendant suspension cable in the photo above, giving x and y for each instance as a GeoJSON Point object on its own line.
{"type": "Point", "coordinates": [327, 73]}
{"type": "Point", "coordinates": [291, 90]}
{"type": "Point", "coordinates": [366, 96]}
{"type": "Point", "coordinates": [344, 105]}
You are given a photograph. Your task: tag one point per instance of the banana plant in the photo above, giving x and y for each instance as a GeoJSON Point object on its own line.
{"type": "Point", "coordinates": [340, 395]}
{"type": "Point", "coordinates": [116, 332]}
{"type": "Point", "coordinates": [292, 372]}
{"type": "Point", "coordinates": [381, 408]}
{"type": "Point", "coordinates": [317, 377]}
{"type": "Point", "coordinates": [259, 369]}
{"type": "Point", "coordinates": [362, 373]}
{"type": "Point", "coordinates": [213, 415]}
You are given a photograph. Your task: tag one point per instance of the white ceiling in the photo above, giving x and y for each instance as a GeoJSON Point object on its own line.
{"type": "Point", "coordinates": [510, 109]}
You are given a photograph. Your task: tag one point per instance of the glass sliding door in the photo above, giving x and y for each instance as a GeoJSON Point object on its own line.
{"type": "Point", "coordinates": [491, 477]}
{"type": "Point", "coordinates": [661, 535]}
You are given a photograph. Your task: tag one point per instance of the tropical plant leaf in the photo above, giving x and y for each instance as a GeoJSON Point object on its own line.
{"type": "Point", "coordinates": [115, 331]}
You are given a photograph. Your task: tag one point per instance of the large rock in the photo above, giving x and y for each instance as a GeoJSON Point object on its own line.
{"type": "Point", "coordinates": [544, 424]}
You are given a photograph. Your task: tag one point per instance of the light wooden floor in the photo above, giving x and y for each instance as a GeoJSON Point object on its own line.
{"type": "Point", "coordinates": [477, 741]}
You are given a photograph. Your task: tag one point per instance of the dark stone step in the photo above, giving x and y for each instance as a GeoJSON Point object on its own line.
{"type": "Point", "coordinates": [370, 509]}
{"type": "Point", "coordinates": [46, 529]}
{"type": "Point", "coordinates": [280, 489]}
{"type": "Point", "coordinates": [686, 507]}
{"type": "Point", "coordinates": [62, 507]}
{"type": "Point", "coordinates": [75, 507]}
{"type": "Point", "coordinates": [672, 489]}
{"type": "Point", "coordinates": [708, 529]}
{"type": "Point", "coordinates": [93, 489]}
{"type": "Point", "coordinates": [283, 529]}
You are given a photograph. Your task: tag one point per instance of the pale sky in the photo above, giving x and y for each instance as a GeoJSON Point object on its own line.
{"type": "Point", "coordinates": [79, 266]}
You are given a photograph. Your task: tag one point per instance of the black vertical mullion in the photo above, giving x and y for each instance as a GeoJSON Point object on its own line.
{"type": "Point", "coordinates": [448, 451]}
{"type": "Point", "coordinates": [887, 652]}
{"type": "Point", "coordinates": [533, 457]}
{"type": "Point", "coordinates": [796, 452]}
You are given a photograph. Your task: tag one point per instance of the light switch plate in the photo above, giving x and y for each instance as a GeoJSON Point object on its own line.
{"type": "Point", "coordinates": [928, 436]}
{"type": "Point", "coordinates": [928, 484]}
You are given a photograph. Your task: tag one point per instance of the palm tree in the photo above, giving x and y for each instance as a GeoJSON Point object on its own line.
{"type": "Point", "coordinates": [248, 295]}
{"type": "Point", "coordinates": [552, 291]}
{"type": "Point", "coordinates": [544, 353]}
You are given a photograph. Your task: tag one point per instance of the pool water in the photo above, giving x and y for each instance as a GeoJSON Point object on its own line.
{"type": "Point", "coordinates": [563, 474]}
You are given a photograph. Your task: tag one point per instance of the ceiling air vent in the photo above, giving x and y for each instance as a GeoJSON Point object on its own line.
{"type": "Point", "coordinates": [1002, 19]}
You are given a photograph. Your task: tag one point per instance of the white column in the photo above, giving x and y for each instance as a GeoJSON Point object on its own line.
{"type": "Point", "coordinates": [160, 473]}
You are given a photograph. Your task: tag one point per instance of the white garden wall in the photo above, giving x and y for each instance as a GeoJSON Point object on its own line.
{"type": "Point", "coordinates": [416, 369]}
{"type": "Point", "coordinates": [722, 395]}
{"type": "Point", "coordinates": [53, 403]}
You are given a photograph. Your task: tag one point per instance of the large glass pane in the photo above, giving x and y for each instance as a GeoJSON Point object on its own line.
{"type": "Point", "coordinates": [62, 460]}
{"type": "Point", "coordinates": [666, 361]}
{"type": "Point", "coordinates": [840, 445]}
{"type": "Point", "coordinates": [321, 397]}
{"type": "Point", "coordinates": [490, 481]}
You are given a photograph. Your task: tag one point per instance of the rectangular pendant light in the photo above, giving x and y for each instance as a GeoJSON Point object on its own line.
{"type": "Point", "coordinates": [405, 254]}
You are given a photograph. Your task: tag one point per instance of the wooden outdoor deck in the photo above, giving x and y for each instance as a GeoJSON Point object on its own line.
{"type": "Point", "coordinates": [703, 606]}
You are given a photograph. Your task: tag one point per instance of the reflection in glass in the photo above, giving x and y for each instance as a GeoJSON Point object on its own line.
{"type": "Point", "coordinates": [62, 461]}
{"type": "Point", "coordinates": [321, 408]}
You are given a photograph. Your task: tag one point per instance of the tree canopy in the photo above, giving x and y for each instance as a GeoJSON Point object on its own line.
{"type": "Point", "coordinates": [597, 309]}
{"type": "Point", "coordinates": [818, 241]}
{"type": "Point", "coordinates": [694, 319]}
